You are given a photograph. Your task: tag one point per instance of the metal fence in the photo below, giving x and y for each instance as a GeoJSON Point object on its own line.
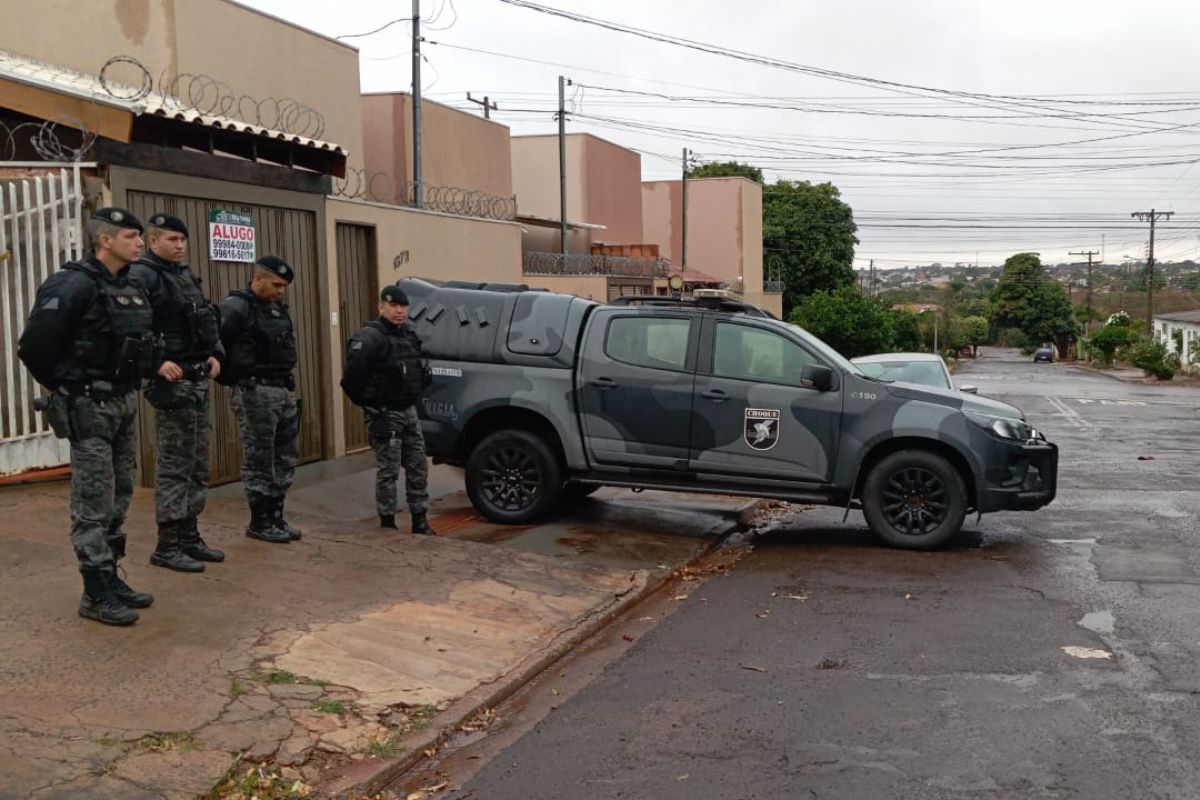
{"type": "Point", "coordinates": [588, 264]}
{"type": "Point", "coordinates": [40, 228]}
{"type": "Point", "coordinates": [773, 287]}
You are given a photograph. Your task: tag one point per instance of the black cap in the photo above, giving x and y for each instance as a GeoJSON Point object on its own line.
{"type": "Point", "coordinates": [394, 294]}
{"type": "Point", "coordinates": [278, 266]}
{"type": "Point", "coordinates": [119, 217]}
{"type": "Point", "coordinates": [168, 223]}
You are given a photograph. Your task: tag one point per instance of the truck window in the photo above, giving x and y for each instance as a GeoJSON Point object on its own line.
{"type": "Point", "coordinates": [753, 354]}
{"type": "Point", "coordinates": [655, 342]}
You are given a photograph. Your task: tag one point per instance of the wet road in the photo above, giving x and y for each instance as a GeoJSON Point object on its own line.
{"type": "Point", "coordinates": [1052, 654]}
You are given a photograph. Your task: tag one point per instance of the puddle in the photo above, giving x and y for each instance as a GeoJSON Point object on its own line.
{"type": "Point", "coordinates": [1098, 621]}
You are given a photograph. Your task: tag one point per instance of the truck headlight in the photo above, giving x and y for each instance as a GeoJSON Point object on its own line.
{"type": "Point", "coordinates": [1004, 427]}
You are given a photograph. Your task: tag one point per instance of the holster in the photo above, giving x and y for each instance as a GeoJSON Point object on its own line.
{"type": "Point", "coordinates": [56, 411]}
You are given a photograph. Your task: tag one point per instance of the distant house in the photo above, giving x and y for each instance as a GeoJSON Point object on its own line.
{"type": "Point", "coordinates": [1178, 330]}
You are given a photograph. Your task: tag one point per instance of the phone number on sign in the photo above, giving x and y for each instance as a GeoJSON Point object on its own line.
{"type": "Point", "coordinates": [234, 251]}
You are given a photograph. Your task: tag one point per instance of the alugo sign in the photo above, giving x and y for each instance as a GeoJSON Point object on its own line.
{"type": "Point", "coordinates": [230, 236]}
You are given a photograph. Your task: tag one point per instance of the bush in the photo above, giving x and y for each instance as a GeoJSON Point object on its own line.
{"type": "Point", "coordinates": [1108, 339]}
{"type": "Point", "coordinates": [1153, 357]}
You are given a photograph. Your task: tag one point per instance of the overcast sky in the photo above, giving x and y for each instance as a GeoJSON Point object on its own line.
{"type": "Point", "coordinates": [1077, 113]}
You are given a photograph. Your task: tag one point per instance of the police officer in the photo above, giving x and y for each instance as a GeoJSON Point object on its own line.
{"type": "Point", "coordinates": [189, 325]}
{"type": "Point", "coordinates": [385, 373]}
{"type": "Point", "coordinates": [260, 347]}
{"type": "Point", "coordinates": [88, 342]}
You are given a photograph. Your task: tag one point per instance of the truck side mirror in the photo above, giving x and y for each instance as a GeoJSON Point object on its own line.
{"type": "Point", "coordinates": [817, 376]}
{"type": "Point", "coordinates": [969, 389]}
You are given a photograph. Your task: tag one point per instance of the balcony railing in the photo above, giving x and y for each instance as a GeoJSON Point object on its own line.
{"type": "Point", "coordinates": [773, 287]}
{"type": "Point", "coordinates": [588, 264]}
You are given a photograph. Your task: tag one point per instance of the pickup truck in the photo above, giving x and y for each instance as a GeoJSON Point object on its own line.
{"type": "Point", "coordinates": [543, 397]}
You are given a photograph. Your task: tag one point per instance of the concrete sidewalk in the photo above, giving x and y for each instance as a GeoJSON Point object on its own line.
{"type": "Point", "coordinates": [329, 660]}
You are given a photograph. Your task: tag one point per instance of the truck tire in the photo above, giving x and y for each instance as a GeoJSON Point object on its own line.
{"type": "Point", "coordinates": [513, 477]}
{"type": "Point", "coordinates": [914, 499]}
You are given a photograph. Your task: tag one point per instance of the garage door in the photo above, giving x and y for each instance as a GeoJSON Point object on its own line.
{"type": "Point", "coordinates": [289, 233]}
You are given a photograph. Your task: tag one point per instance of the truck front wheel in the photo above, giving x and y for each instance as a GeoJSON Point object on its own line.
{"type": "Point", "coordinates": [914, 499]}
{"type": "Point", "coordinates": [513, 477]}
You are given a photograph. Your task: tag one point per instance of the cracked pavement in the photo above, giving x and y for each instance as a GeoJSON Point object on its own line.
{"type": "Point", "coordinates": [308, 656]}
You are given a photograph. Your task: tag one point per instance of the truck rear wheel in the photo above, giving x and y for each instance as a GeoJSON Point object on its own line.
{"type": "Point", "coordinates": [914, 500]}
{"type": "Point", "coordinates": [513, 477]}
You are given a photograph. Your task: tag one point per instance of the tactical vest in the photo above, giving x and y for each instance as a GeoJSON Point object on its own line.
{"type": "Point", "coordinates": [399, 374]}
{"type": "Point", "coordinates": [119, 344]}
{"type": "Point", "coordinates": [267, 346]}
{"type": "Point", "coordinates": [192, 325]}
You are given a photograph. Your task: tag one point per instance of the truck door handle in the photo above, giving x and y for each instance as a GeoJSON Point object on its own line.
{"type": "Point", "coordinates": [604, 384]}
{"type": "Point", "coordinates": [716, 395]}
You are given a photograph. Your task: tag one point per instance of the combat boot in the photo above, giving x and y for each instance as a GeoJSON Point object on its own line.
{"type": "Point", "coordinates": [262, 522]}
{"type": "Point", "coordinates": [99, 601]}
{"type": "Point", "coordinates": [127, 595]}
{"type": "Point", "coordinates": [281, 523]}
{"type": "Point", "coordinates": [169, 552]}
{"type": "Point", "coordinates": [195, 546]}
{"type": "Point", "coordinates": [388, 521]}
{"type": "Point", "coordinates": [420, 524]}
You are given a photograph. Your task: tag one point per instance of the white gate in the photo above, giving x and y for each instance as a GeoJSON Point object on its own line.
{"type": "Point", "coordinates": [41, 227]}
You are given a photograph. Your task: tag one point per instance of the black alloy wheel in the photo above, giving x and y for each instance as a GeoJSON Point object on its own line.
{"type": "Point", "coordinates": [914, 499]}
{"type": "Point", "coordinates": [513, 477]}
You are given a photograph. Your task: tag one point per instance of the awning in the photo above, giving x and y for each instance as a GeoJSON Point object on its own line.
{"type": "Point", "coordinates": [77, 100]}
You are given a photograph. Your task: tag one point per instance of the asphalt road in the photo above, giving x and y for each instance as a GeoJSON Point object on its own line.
{"type": "Point", "coordinates": [1048, 654]}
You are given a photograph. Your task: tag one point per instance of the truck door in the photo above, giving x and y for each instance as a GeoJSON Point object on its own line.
{"type": "Point", "coordinates": [754, 419]}
{"type": "Point", "coordinates": [636, 379]}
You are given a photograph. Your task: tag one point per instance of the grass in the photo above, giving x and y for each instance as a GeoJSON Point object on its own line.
{"type": "Point", "coordinates": [382, 748]}
{"type": "Point", "coordinates": [421, 715]}
{"type": "Point", "coordinates": [106, 741]}
{"type": "Point", "coordinates": [164, 742]}
{"type": "Point", "coordinates": [332, 707]}
{"type": "Point", "coordinates": [236, 689]}
{"type": "Point", "coordinates": [260, 784]}
{"type": "Point", "coordinates": [281, 676]}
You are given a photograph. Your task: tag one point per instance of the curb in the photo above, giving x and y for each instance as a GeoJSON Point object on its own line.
{"type": "Point", "coordinates": [367, 778]}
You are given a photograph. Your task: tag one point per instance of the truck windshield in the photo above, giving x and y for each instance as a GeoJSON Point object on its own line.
{"type": "Point", "coordinates": [824, 350]}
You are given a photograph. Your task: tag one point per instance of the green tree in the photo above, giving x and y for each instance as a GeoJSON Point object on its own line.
{"type": "Point", "coordinates": [812, 231]}
{"type": "Point", "coordinates": [726, 169]}
{"type": "Point", "coordinates": [849, 322]}
{"type": "Point", "coordinates": [906, 331]}
{"type": "Point", "coordinates": [970, 331]}
{"type": "Point", "coordinates": [1024, 298]}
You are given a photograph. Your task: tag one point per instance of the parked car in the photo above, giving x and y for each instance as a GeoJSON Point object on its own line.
{"type": "Point", "coordinates": [923, 369]}
{"type": "Point", "coordinates": [543, 396]}
{"type": "Point", "coordinates": [1043, 354]}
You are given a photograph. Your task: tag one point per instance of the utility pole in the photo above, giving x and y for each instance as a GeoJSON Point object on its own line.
{"type": "Point", "coordinates": [1087, 325]}
{"type": "Point", "coordinates": [487, 107]}
{"type": "Point", "coordinates": [684, 207]}
{"type": "Point", "coordinates": [416, 104]}
{"type": "Point", "coordinates": [872, 279]}
{"type": "Point", "coordinates": [1151, 216]}
{"type": "Point", "coordinates": [563, 83]}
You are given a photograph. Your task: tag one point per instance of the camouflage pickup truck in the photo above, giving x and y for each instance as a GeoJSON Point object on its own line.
{"type": "Point", "coordinates": [544, 396]}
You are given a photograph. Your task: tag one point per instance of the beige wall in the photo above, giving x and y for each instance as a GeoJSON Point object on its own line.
{"type": "Point", "coordinates": [594, 287]}
{"type": "Point", "coordinates": [457, 150]}
{"type": "Point", "coordinates": [603, 183]}
{"type": "Point", "coordinates": [252, 53]}
{"type": "Point", "coordinates": [437, 246]}
{"type": "Point", "coordinates": [724, 227]}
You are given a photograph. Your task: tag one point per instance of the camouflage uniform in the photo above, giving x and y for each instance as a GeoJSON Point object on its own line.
{"type": "Point", "coordinates": [88, 341]}
{"type": "Point", "coordinates": [385, 374]}
{"type": "Point", "coordinates": [260, 346]}
{"type": "Point", "coordinates": [397, 441]}
{"type": "Point", "coordinates": [183, 415]}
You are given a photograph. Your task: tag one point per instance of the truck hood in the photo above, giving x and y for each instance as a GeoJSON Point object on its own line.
{"type": "Point", "coordinates": [955, 398]}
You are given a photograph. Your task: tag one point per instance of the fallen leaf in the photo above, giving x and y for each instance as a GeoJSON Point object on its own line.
{"type": "Point", "coordinates": [680, 597]}
{"type": "Point", "coordinates": [1145, 458]}
{"type": "Point", "coordinates": [683, 777]}
{"type": "Point", "coordinates": [414, 795]}
{"type": "Point", "coordinates": [796, 596]}
{"type": "Point", "coordinates": [908, 597]}
{"type": "Point", "coordinates": [627, 637]}
{"type": "Point", "coordinates": [774, 594]}
{"type": "Point", "coordinates": [437, 787]}
{"type": "Point", "coordinates": [753, 668]}
{"type": "Point", "coordinates": [763, 615]}
{"type": "Point", "coordinates": [429, 752]}
{"type": "Point", "coordinates": [555, 691]}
